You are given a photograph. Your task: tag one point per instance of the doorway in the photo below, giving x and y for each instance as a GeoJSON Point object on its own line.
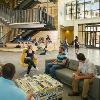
{"type": "Point", "coordinates": [91, 34]}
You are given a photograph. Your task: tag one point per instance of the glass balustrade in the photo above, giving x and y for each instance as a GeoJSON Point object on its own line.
{"type": "Point", "coordinates": [23, 16]}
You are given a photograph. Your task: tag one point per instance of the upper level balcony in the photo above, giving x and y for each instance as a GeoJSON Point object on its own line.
{"type": "Point", "coordinates": [17, 18]}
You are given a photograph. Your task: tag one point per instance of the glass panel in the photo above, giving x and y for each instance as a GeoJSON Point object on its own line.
{"type": "Point", "coordinates": [95, 6]}
{"type": "Point", "coordinates": [80, 10]}
{"type": "Point", "coordinates": [88, 0]}
{"type": "Point", "coordinates": [68, 8]}
{"type": "Point", "coordinates": [97, 39]}
{"type": "Point", "coordinates": [80, 1]}
{"type": "Point", "coordinates": [98, 28]}
{"type": "Point", "coordinates": [73, 10]}
{"type": "Point", "coordinates": [87, 9]}
{"type": "Point", "coordinates": [68, 17]}
{"type": "Point", "coordinates": [87, 29]}
{"type": "Point", "coordinates": [95, 13]}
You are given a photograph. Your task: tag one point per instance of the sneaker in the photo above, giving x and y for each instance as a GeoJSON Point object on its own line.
{"type": "Point", "coordinates": [74, 94]}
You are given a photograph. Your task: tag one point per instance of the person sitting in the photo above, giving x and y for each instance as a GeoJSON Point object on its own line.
{"type": "Point", "coordinates": [20, 39]}
{"type": "Point", "coordinates": [86, 72]}
{"type": "Point", "coordinates": [29, 39]}
{"type": "Point", "coordinates": [18, 45]}
{"type": "Point", "coordinates": [28, 58]}
{"type": "Point", "coordinates": [8, 89]}
{"type": "Point", "coordinates": [59, 63]}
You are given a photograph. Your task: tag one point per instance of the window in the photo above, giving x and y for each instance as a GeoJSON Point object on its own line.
{"type": "Point", "coordinates": [81, 9]}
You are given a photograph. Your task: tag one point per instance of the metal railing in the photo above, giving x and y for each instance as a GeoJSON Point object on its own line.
{"type": "Point", "coordinates": [3, 39]}
{"type": "Point", "coordinates": [24, 16]}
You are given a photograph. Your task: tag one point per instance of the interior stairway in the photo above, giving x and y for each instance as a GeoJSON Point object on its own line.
{"type": "Point", "coordinates": [25, 4]}
{"type": "Point", "coordinates": [25, 19]}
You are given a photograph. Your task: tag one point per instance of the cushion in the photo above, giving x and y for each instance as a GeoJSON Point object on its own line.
{"type": "Point", "coordinates": [64, 75]}
{"type": "Point", "coordinates": [73, 65]}
{"type": "Point", "coordinates": [98, 69]}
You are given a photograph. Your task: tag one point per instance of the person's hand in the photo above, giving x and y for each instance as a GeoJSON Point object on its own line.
{"type": "Point", "coordinates": [55, 62]}
{"type": "Point", "coordinates": [77, 77]}
{"type": "Point", "coordinates": [29, 95]}
{"type": "Point", "coordinates": [73, 76]}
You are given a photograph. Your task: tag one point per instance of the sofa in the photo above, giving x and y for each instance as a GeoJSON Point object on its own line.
{"type": "Point", "coordinates": [65, 76]}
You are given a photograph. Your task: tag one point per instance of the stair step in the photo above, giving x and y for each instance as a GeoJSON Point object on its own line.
{"type": "Point", "coordinates": [15, 37]}
{"type": "Point", "coordinates": [18, 34]}
{"type": "Point", "coordinates": [8, 22]}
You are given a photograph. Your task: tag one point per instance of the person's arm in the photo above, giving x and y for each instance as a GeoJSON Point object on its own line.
{"type": "Point", "coordinates": [30, 95]}
{"type": "Point", "coordinates": [25, 55]}
{"type": "Point", "coordinates": [87, 76]}
{"type": "Point", "coordinates": [63, 62]}
{"type": "Point", "coordinates": [78, 72]}
{"type": "Point", "coordinates": [90, 72]}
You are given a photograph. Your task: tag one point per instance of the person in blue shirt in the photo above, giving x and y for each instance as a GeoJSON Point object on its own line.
{"type": "Point", "coordinates": [8, 89]}
{"type": "Point", "coordinates": [29, 39]}
{"type": "Point", "coordinates": [20, 39]}
{"type": "Point", "coordinates": [65, 44]}
{"type": "Point", "coordinates": [58, 63]}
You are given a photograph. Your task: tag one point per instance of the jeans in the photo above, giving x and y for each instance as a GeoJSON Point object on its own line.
{"type": "Point", "coordinates": [51, 68]}
{"type": "Point", "coordinates": [30, 63]}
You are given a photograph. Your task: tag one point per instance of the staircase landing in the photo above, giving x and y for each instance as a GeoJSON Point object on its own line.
{"type": "Point", "coordinates": [27, 25]}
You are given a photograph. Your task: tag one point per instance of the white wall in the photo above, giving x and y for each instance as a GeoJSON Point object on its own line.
{"type": "Point", "coordinates": [53, 35]}
{"type": "Point", "coordinates": [66, 23]}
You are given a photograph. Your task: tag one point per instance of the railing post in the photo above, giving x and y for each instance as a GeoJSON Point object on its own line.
{"type": "Point", "coordinates": [47, 12]}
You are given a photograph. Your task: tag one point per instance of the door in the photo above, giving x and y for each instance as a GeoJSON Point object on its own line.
{"type": "Point", "coordinates": [92, 39]}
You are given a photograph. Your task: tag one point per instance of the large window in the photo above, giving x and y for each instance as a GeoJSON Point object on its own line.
{"type": "Point", "coordinates": [81, 9]}
{"type": "Point", "coordinates": [90, 34]}
{"type": "Point", "coordinates": [71, 10]}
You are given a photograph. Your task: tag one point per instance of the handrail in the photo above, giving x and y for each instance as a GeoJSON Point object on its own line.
{"type": "Point", "coordinates": [28, 15]}
{"type": "Point", "coordinates": [4, 36]}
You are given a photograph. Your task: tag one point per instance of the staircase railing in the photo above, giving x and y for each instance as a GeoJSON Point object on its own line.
{"type": "Point", "coordinates": [23, 16]}
{"type": "Point", "coordinates": [3, 39]}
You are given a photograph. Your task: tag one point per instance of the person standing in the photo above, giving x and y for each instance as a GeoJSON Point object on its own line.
{"type": "Point", "coordinates": [86, 72]}
{"type": "Point", "coordinates": [8, 89]}
{"type": "Point", "coordinates": [65, 44]}
{"type": "Point", "coordinates": [76, 45]}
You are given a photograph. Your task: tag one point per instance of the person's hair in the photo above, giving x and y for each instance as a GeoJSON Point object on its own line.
{"type": "Point", "coordinates": [62, 47]}
{"type": "Point", "coordinates": [29, 47]}
{"type": "Point", "coordinates": [81, 57]}
{"type": "Point", "coordinates": [8, 71]}
{"type": "Point", "coordinates": [76, 37]}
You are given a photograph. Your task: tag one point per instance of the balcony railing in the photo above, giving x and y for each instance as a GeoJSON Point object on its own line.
{"type": "Point", "coordinates": [25, 16]}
